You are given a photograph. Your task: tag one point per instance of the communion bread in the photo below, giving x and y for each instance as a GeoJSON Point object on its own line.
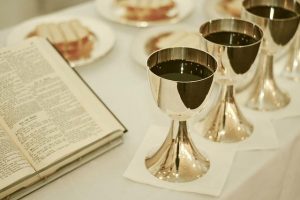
{"type": "Point", "coordinates": [173, 39]}
{"type": "Point", "coordinates": [231, 7]}
{"type": "Point", "coordinates": [149, 10]}
{"type": "Point", "coordinates": [73, 40]}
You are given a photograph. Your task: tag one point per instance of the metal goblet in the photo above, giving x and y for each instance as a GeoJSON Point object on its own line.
{"type": "Point", "coordinates": [279, 20]}
{"type": "Point", "coordinates": [292, 68]}
{"type": "Point", "coordinates": [180, 80]}
{"type": "Point", "coordinates": [235, 43]}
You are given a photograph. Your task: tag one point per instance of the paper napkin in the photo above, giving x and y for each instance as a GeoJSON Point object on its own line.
{"type": "Point", "coordinates": [211, 183]}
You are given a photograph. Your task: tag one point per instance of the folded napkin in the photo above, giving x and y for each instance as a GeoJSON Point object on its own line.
{"type": "Point", "coordinates": [221, 158]}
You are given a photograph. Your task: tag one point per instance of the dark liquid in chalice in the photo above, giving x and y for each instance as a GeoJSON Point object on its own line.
{"type": "Point", "coordinates": [230, 38]}
{"type": "Point", "coordinates": [181, 70]}
{"type": "Point", "coordinates": [272, 12]}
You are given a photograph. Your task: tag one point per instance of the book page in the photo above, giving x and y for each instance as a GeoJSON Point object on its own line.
{"type": "Point", "coordinates": [13, 166]}
{"type": "Point", "coordinates": [47, 107]}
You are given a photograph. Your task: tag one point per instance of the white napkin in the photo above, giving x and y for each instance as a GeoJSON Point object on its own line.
{"type": "Point", "coordinates": [220, 157]}
{"type": "Point", "coordinates": [263, 136]}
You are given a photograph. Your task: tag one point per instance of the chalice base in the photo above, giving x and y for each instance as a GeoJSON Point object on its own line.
{"type": "Point", "coordinates": [177, 160]}
{"type": "Point", "coordinates": [266, 95]}
{"type": "Point", "coordinates": [226, 123]}
{"type": "Point", "coordinates": [292, 70]}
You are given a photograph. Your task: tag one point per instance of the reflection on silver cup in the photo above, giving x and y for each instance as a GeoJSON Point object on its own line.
{"type": "Point", "coordinates": [180, 80]}
{"type": "Point", "coordinates": [235, 43]}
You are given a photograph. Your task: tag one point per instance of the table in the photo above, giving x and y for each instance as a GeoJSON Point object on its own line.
{"type": "Point", "coordinates": [122, 85]}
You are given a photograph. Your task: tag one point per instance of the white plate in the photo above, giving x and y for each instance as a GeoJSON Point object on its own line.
{"type": "Point", "coordinates": [104, 35]}
{"type": "Point", "coordinates": [138, 50]}
{"type": "Point", "coordinates": [215, 10]}
{"type": "Point", "coordinates": [111, 12]}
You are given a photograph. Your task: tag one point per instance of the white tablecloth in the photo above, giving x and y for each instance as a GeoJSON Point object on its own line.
{"type": "Point", "coordinates": [122, 85]}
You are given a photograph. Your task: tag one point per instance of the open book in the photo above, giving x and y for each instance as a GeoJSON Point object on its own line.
{"type": "Point", "coordinates": [50, 121]}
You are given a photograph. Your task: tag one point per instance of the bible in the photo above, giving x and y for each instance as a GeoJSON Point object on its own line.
{"type": "Point", "coordinates": [50, 121]}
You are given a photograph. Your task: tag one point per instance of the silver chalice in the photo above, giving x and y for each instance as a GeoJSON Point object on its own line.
{"type": "Point", "coordinates": [279, 20]}
{"type": "Point", "coordinates": [235, 44]}
{"type": "Point", "coordinates": [292, 68]}
{"type": "Point", "coordinates": [180, 80]}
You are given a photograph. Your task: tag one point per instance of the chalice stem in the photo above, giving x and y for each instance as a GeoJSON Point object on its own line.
{"type": "Point", "coordinates": [292, 68]}
{"type": "Point", "coordinates": [266, 95]}
{"type": "Point", "coordinates": [176, 155]}
{"type": "Point", "coordinates": [167, 152]}
{"type": "Point", "coordinates": [226, 122]}
{"type": "Point", "coordinates": [294, 59]}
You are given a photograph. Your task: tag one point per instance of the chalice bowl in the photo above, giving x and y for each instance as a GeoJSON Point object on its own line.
{"type": "Point", "coordinates": [235, 44]}
{"type": "Point", "coordinates": [180, 80]}
{"type": "Point", "coordinates": [279, 21]}
{"type": "Point", "coordinates": [292, 69]}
